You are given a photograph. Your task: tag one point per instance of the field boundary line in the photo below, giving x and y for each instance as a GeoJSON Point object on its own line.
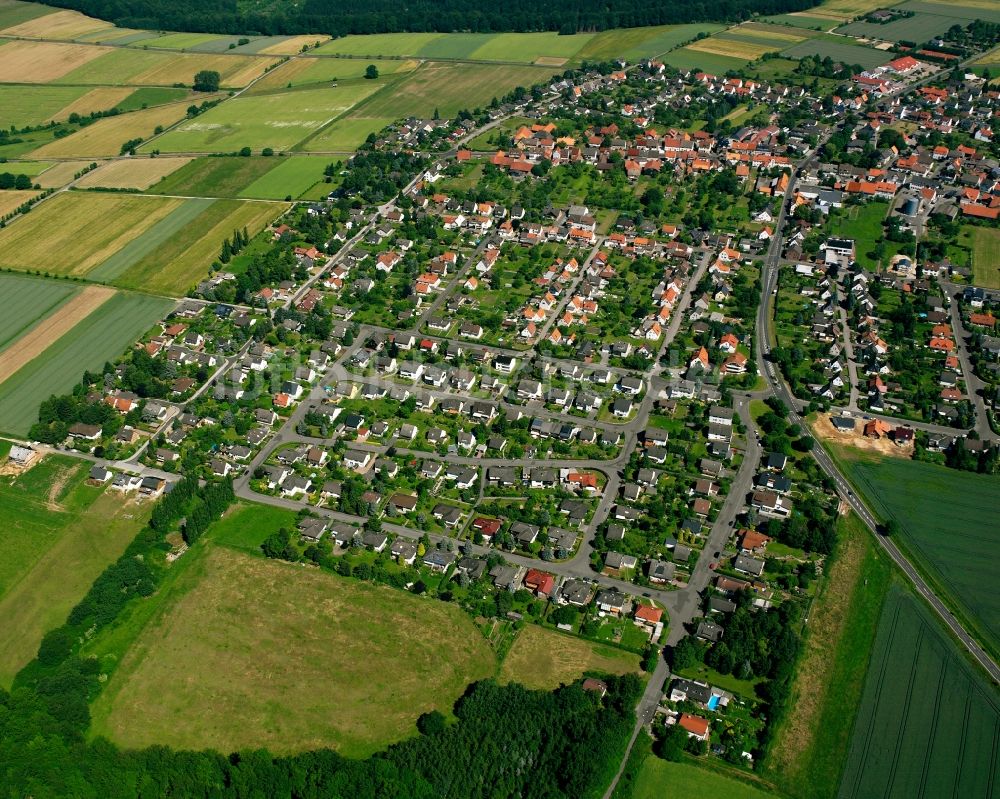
{"type": "Point", "coordinates": [52, 328]}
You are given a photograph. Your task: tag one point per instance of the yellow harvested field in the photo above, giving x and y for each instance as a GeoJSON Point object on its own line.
{"type": "Point", "coordinates": [131, 173]}
{"type": "Point", "coordinates": [58, 25]}
{"type": "Point", "coordinates": [294, 45]}
{"type": "Point", "coordinates": [106, 136]}
{"type": "Point", "coordinates": [993, 57]}
{"type": "Point", "coordinates": [10, 201]}
{"type": "Point", "coordinates": [847, 9]}
{"type": "Point", "coordinates": [100, 99]}
{"type": "Point", "coordinates": [730, 48]}
{"type": "Point", "coordinates": [60, 174]}
{"type": "Point", "coordinates": [52, 328]}
{"type": "Point", "coordinates": [550, 61]}
{"type": "Point", "coordinates": [236, 70]}
{"type": "Point", "coordinates": [73, 232]}
{"type": "Point", "coordinates": [770, 32]}
{"type": "Point", "coordinates": [42, 62]}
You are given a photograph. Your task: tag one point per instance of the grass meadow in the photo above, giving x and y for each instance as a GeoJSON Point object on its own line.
{"type": "Point", "coordinates": [346, 134]}
{"type": "Point", "coordinates": [247, 652]}
{"type": "Point", "coordinates": [659, 778]}
{"type": "Point", "coordinates": [216, 176]}
{"type": "Point", "coordinates": [28, 300]}
{"type": "Point", "coordinates": [290, 177]}
{"type": "Point", "coordinates": [928, 724]}
{"type": "Point", "coordinates": [306, 71]}
{"type": "Point", "coordinates": [57, 532]}
{"type": "Point", "coordinates": [950, 521]}
{"type": "Point", "coordinates": [545, 659]}
{"type": "Point", "coordinates": [985, 255]}
{"type": "Point", "coordinates": [811, 744]}
{"type": "Point", "coordinates": [102, 336]}
{"type": "Point", "coordinates": [279, 121]}
{"type": "Point", "coordinates": [839, 51]}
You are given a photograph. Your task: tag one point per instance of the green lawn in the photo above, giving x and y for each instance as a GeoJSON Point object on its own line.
{"type": "Point", "coordinates": [985, 256]}
{"type": "Point", "coordinates": [28, 300]}
{"type": "Point", "coordinates": [950, 521]}
{"type": "Point", "coordinates": [928, 721]}
{"type": "Point", "coordinates": [290, 177]}
{"type": "Point", "coordinates": [863, 223]}
{"type": "Point", "coordinates": [659, 778]}
{"type": "Point", "coordinates": [291, 658]}
{"type": "Point", "coordinates": [225, 176]}
{"type": "Point", "coordinates": [246, 525]}
{"type": "Point", "coordinates": [56, 535]}
{"type": "Point", "coordinates": [810, 747]}
{"type": "Point", "coordinates": [278, 121]}
{"type": "Point", "coordinates": [99, 338]}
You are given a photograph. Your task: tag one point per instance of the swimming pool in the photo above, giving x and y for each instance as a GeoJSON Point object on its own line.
{"type": "Point", "coordinates": [713, 703]}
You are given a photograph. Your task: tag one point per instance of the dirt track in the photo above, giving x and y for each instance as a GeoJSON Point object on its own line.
{"type": "Point", "coordinates": [41, 336]}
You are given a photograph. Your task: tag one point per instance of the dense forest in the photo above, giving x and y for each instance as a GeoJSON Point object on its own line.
{"type": "Point", "coordinates": [384, 16]}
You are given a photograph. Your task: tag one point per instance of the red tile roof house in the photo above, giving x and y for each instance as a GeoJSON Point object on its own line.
{"type": "Point", "coordinates": [696, 726]}
{"type": "Point", "coordinates": [486, 527]}
{"type": "Point", "coordinates": [648, 616]}
{"type": "Point", "coordinates": [540, 582]}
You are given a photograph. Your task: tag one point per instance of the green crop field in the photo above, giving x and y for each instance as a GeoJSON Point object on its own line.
{"type": "Point", "coordinates": [214, 176]}
{"type": "Point", "coordinates": [278, 121]}
{"type": "Point", "coordinates": [290, 177]}
{"type": "Point", "coordinates": [949, 519]}
{"type": "Point", "coordinates": [288, 658]}
{"type": "Point", "coordinates": [57, 533]}
{"type": "Point", "coordinates": [102, 336]}
{"type": "Point", "coordinates": [928, 723]}
{"type": "Point", "coordinates": [182, 41]}
{"type": "Point", "coordinates": [687, 59]}
{"type": "Point", "coordinates": [918, 28]}
{"type": "Point", "coordinates": [177, 264]}
{"type": "Point", "coordinates": [839, 51]}
{"type": "Point", "coordinates": [13, 12]}
{"type": "Point", "coordinates": [811, 742]}
{"type": "Point", "coordinates": [986, 10]}
{"type": "Point", "coordinates": [387, 44]}
{"type": "Point", "coordinates": [26, 301]}
{"type": "Point", "coordinates": [345, 135]}
{"type": "Point", "coordinates": [985, 255]}
{"type": "Point", "coordinates": [30, 168]}
{"type": "Point", "coordinates": [306, 71]}
{"type": "Point", "coordinates": [132, 66]}
{"type": "Point", "coordinates": [167, 228]}
{"type": "Point", "coordinates": [801, 21]}
{"type": "Point", "coordinates": [450, 88]}
{"type": "Point", "coordinates": [637, 43]}
{"type": "Point", "coordinates": [32, 105]}
{"type": "Point", "coordinates": [151, 95]}
{"type": "Point", "coordinates": [659, 778]}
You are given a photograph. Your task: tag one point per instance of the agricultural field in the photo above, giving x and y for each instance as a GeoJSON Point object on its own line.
{"type": "Point", "coordinates": [72, 233]}
{"type": "Point", "coordinates": [97, 338]}
{"type": "Point", "coordinates": [14, 12]}
{"type": "Point", "coordinates": [918, 28]}
{"type": "Point", "coordinates": [948, 519]}
{"type": "Point", "coordinates": [43, 62]}
{"type": "Point", "coordinates": [182, 41]}
{"type": "Point", "coordinates": [214, 176]}
{"type": "Point", "coordinates": [839, 51]}
{"type": "Point", "coordinates": [21, 106]}
{"type": "Point", "coordinates": [802, 20]}
{"type": "Point", "coordinates": [346, 134]}
{"type": "Point", "coordinates": [58, 25]}
{"type": "Point", "coordinates": [13, 199]}
{"type": "Point", "coordinates": [845, 9]}
{"type": "Point", "coordinates": [290, 177]}
{"type": "Point", "coordinates": [319, 661]}
{"type": "Point", "coordinates": [146, 96]}
{"type": "Point", "coordinates": [968, 10]}
{"type": "Point", "coordinates": [174, 266]}
{"type": "Point", "coordinates": [985, 256]}
{"type": "Point", "coordinates": [106, 136]}
{"type": "Point", "coordinates": [685, 58]}
{"type": "Point", "coordinates": [306, 71]}
{"type": "Point", "coordinates": [637, 43]}
{"type": "Point", "coordinates": [30, 168]}
{"type": "Point", "coordinates": [379, 44]}
{"type": "Point", "coordinates": [132, 173]}
{"type": "Point", "coordinates": [133, 67]}
{"type": "Point", "coordinates": [928, 723]}
{"type": "Point", "coordinates": [727, 47]}
{"type": "Point", "coordinates": [278, 121]}
{"type": "Point", "coordinates": [546, 659]}
{"type": "Point", "coordinates": [57, 533]}
{"type": "Point", "coordinates": [810, 745]}
{"type": "Point", "coordinates": [60, 173]}
{"type": "Point", "coordinates": [450, 88]}
{"type": "Point", "coordinates": [26, 301]}
{"type": "Point", "coordinates": [658, 778]}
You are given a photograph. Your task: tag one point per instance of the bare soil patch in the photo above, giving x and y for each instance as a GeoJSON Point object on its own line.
{"type": "Point", "coordinates": [883, 446]}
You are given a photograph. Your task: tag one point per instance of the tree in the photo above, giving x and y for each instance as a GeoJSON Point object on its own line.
{"type": "Point", "coordinates": [673, 743]}
{"type": "Point", "coordinates": [891, 528]}
{"type": "Point", "coordinates": [207, 81]}
{"type": "Point", "coordinates": [431, 723]}
{"type": "Point", "coordinates": [371, 72]}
